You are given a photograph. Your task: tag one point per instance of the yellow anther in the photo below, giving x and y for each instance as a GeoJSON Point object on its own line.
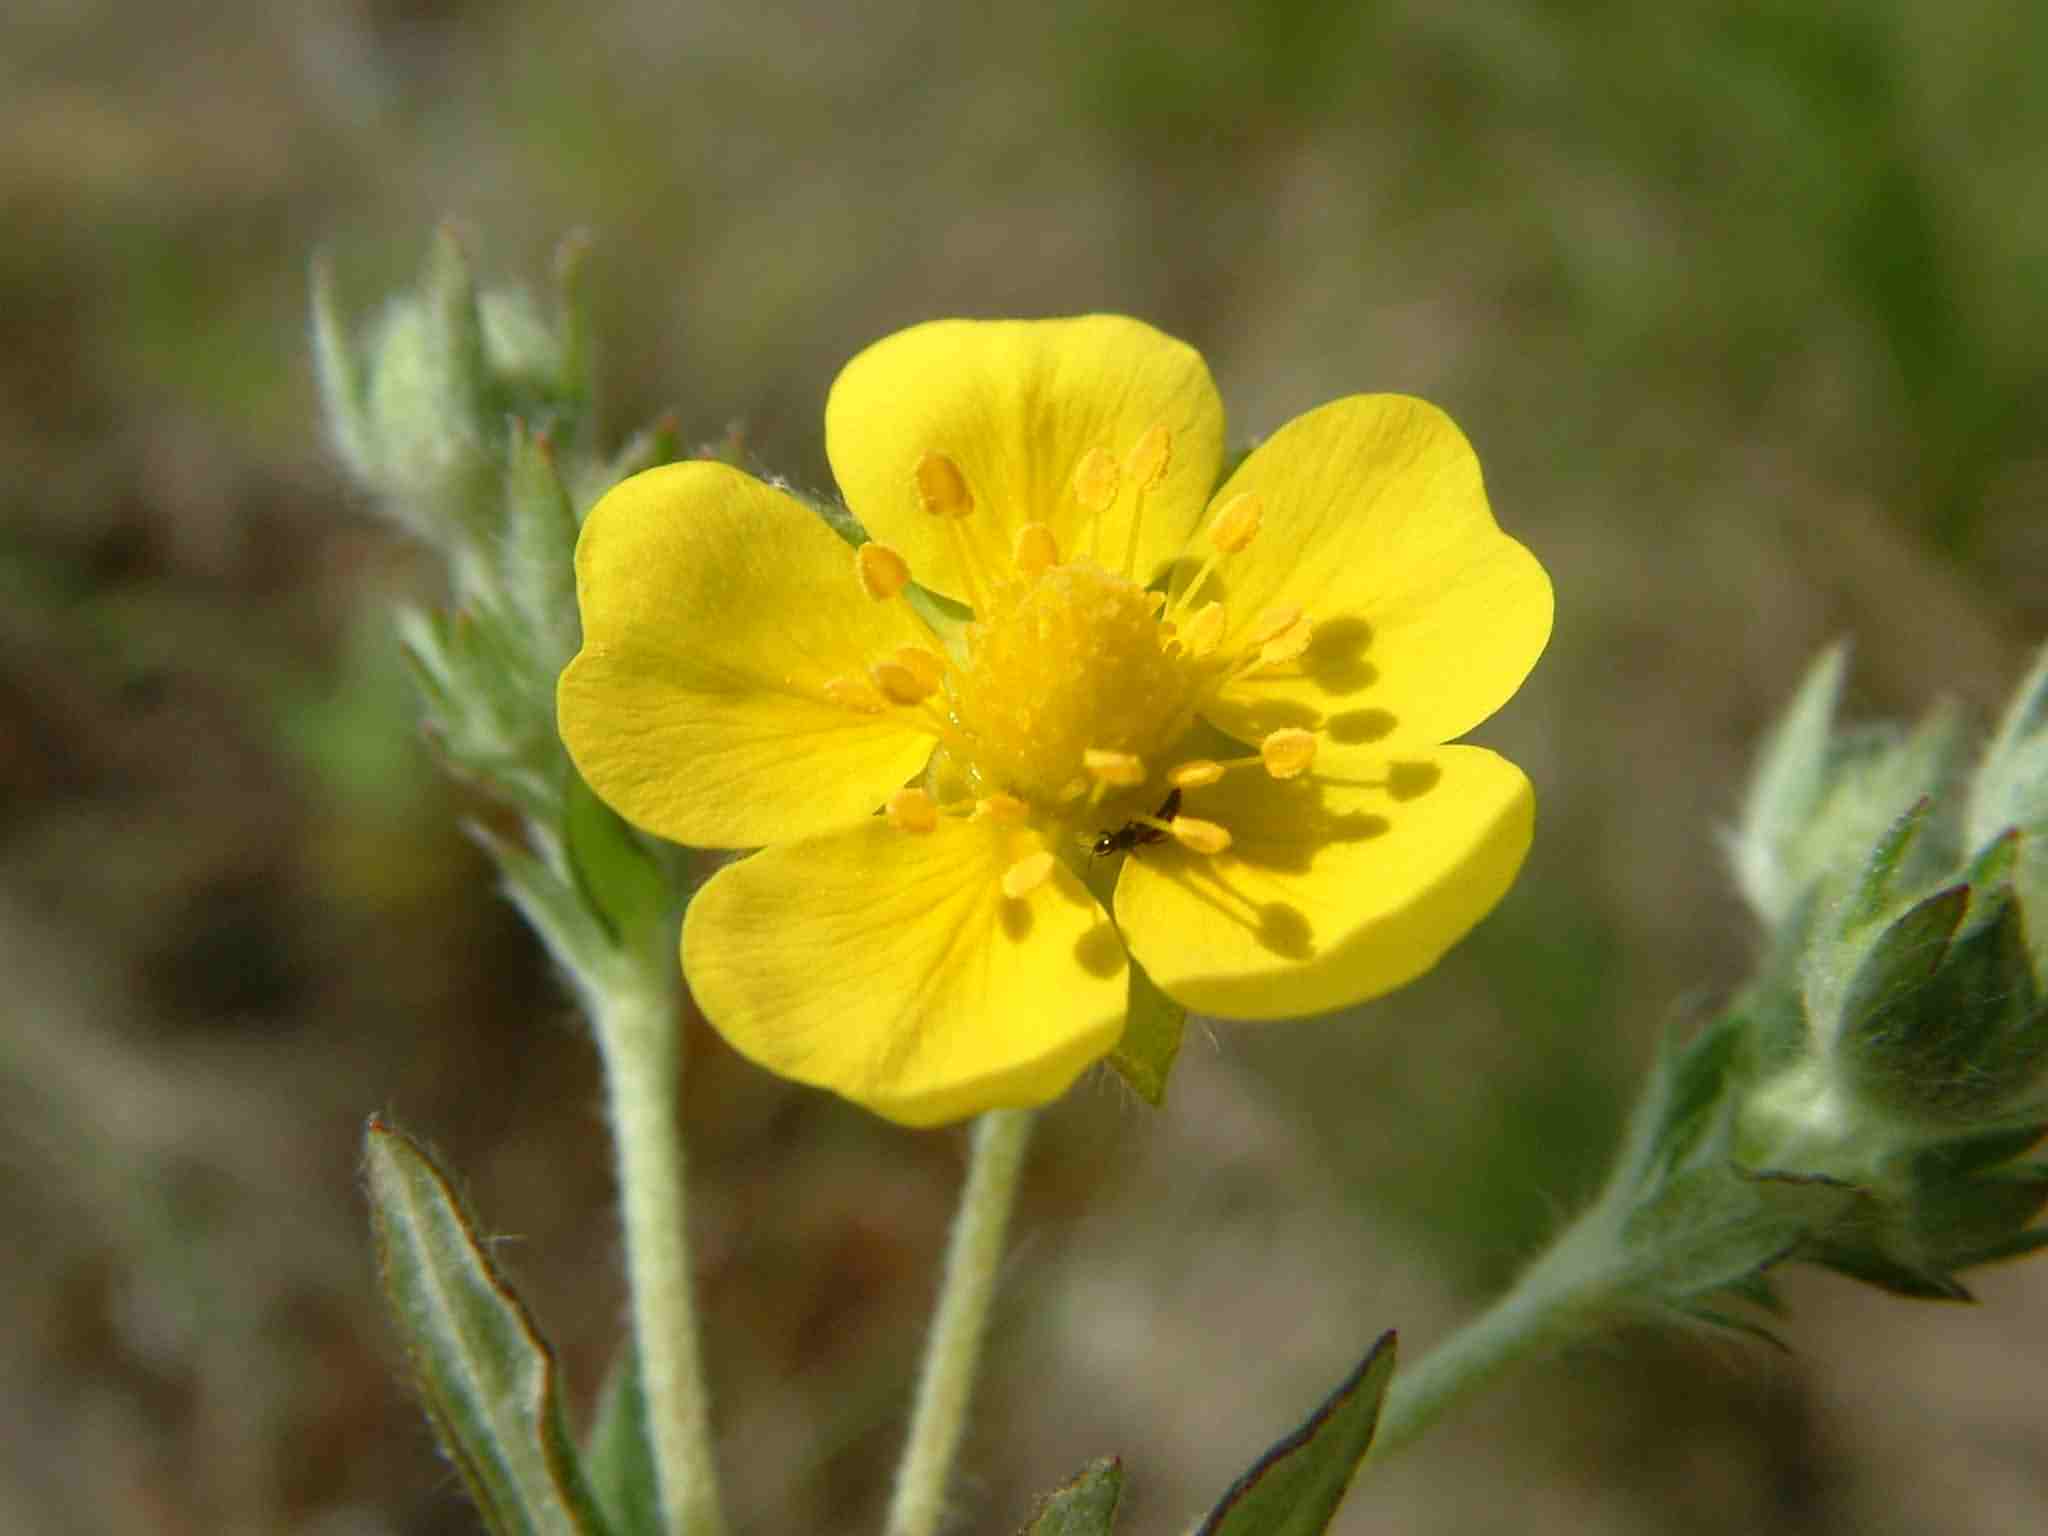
{"type": "Point", "coordinates": [899, 684]}
{"type": "Point", "coordinates": [1237, 523]}
{"type": "Point", "coordinates": [1273, 622]}
{"type": "Point", "coordinates": [1149, 459]}
{"type": "Point", "coordinates": [1200, 836]}
{"type": "Point", "coordinates": [1156, 601]}
{"type": "Point", "coordinates": [1095, 480]}
{"type": "Point", "coordinates": [1001, 807]}
{"type": "Point", "coordinates": [1288, 752]}
{"type": "Point", "coordinates": [928, 667]}
{"type": "Point", "coordinates": [1121, 770]}
{"type": "Point", "coordinates": [1194, 773]}
{"type": "Point", "coordinates": [941, 489]}
{"type": "Point", "coordinates": [883, 573]}
{"type": "Point", "coordinates": [912, 810]}
{"type": "Point", "coordinates": [1203, 631]}
{"type": "Point", "coordinates": [1289, 644]}
{"type": "Point", "coordinates": [855, 693]}
{"type": "Point", "coordinates": [1027, 874]}
{"type": "Point", "coordinates": [1037, 551]}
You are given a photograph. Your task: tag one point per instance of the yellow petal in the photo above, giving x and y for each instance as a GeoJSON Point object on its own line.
{"type": "Point", "coordinates": [1018, 406]}
{"type": "Point", "coordinates": [717, 613]}
{"type": "Point", "coordinates": [1426, 616]}
{"type": "Point", "coordinates": [1336, 887]}
{"type": "Point", "coordinates": [893, 970]}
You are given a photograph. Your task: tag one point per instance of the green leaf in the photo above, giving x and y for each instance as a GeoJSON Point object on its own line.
{"type": "Point", "coordinates": [485, 1376]}
{"type": "Point", "coordinates": [619, 877]}
{"type": "Point", "coordinates": [1712, 1227]}
{"type": "Point", "coordinates": [1151, 1038]}
{"type": "Point", "coordinates": [1295, 1488]}
{"type": "Point", "coordinates": [1084, 1507]}
{"type": "Point", "coordinates": [618, 1456]}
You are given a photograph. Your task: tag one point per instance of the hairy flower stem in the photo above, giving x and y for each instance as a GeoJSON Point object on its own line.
{"type": "Point", "coordinates": [637, 1026]}
{"type": "Point", "coordinates": [954, 1349]}
{"type": "Point", "coordinates": [1559, 1299]}
{"type": "Point", "coordinates": [1569, 1293]}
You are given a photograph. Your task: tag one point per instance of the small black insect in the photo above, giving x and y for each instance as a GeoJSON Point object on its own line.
{"type": "Point", "coordinates": [1133, 833]}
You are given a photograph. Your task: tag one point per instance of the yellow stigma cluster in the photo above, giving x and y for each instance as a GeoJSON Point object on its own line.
{"type": "Point", "coordinates": [1077, 684]}
{"type": "Point", "coordinates": [1072, 662]}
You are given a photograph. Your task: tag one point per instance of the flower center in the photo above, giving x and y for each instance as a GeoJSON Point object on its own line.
{"type": "Point", "coordinates": [1067, 661]}
{"type": "Point", "coordinates": [1078, 684]}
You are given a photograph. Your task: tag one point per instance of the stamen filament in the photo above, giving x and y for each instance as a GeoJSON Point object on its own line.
{"type": "Point", "coordinates": [1145, 467]}
{"type": "Point", "coordinates": [943, 491]}
{"type": "Point", "coordinates": [1095, 487]}
{"type": "Point", "coordinates": [1124, 770]}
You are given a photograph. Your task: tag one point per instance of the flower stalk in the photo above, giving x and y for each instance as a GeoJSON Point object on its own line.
{"type": "Point", "coordinates": [1559, 1299]}
{"type": "Point", "coordinates": [638, 1034]}
{"type": "Point", "coordinates": [953, 1352]}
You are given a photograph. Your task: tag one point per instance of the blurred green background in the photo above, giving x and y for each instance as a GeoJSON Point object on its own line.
{"type": "Point", "coordinates": [1746, 311]}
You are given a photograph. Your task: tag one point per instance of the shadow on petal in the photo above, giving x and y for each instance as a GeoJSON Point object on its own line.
{"type": "Point", "coordinates": [1335, 659]}
{"type": "Point", "coordinates": [1099, 951]}
{"type": "Point", "coordinates": [1360, 727]}
{"type": "Point", "coordinates": [1284, 929]}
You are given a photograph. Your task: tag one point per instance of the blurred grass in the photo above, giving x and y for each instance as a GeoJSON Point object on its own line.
{"type": "Point", "coordinates": [1743, 308]}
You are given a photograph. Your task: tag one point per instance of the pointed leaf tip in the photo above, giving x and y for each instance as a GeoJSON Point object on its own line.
{"type": "Point", "coordinates": [1297, 1486]}
{"type": "Point", "coordinates": [1084, 1507]}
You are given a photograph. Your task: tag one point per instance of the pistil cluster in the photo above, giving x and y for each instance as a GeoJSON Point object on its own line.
{"type": "Point", "coordinates": [1067, 712]}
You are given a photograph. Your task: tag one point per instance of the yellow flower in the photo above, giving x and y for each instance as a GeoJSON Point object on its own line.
{"type": "Point", "coordinates": [1221, 715]}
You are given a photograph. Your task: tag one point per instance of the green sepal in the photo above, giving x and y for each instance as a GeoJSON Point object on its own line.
{"type": "Point", "coordinates": [1686, 1085]}
{"type": "Point", "coordinates": [484, 1374]}
{"type": "Point", "coordinates": [1879, 1000]}
{"type": "Point", "coordinates": [1886, 1272]}
{"type": "Point", "coordinates": [536, 565]}
{"type": "Point", "coordinates": [455, 321]}
{"type": "Point", "coordinates": [1729, 1322]}
{"type": "Point", "coordinates": [1872, 893]}
{"type": "Point", "coordinates": [558, 910]}
{"type": "Point", "coordinates": [1084, 1507]}
{"type": "Point", "coordinates": [1295, 1488]}
{"type": "Point", "coordinates": [575, 345]}
{"type": "Point", "coordinates": [1944, 1021]}
{"type": "Point", "coordinates": [1966, 1155]}
{"type": "Point", "coordinates": [624, 883]}
{"type": "Point", "coordinates": [343, 377]}
{"type": "Point", "coordinates": [948, 619]}
{"type": "Point", "coordinates": [2011, 784]}
{"type": "Point", "coordinates": [1144, 1056]}
{"type": "Point", "coordinates": [1785, 790]}
{"type": "Point", "coordinates": [618, 1454]}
